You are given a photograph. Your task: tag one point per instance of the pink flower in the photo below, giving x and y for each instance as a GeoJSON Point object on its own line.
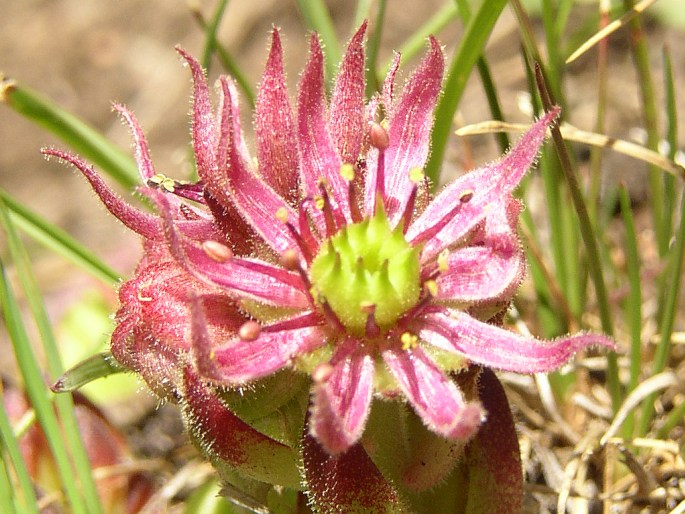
{"type": "Point", "coordinates": [327, 254]}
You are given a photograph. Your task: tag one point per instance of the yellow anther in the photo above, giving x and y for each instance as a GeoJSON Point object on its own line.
{"type": "Point", "coordinates": [416, 175]}
{"type": "Point", "coordinates": [442, 260]}
{"type": "Point", "coordinates": [385, 124]}
{"type": "Point", "coordinates": [282, 215]}
{"type": "Point", "coordinates": [319, 202]}
{"type": "Point", "coordinates": [409, 341]}
{"type": "Point", "coordinates": [431, 286]}
{"type": "Point", "coordinates": [347, 172]}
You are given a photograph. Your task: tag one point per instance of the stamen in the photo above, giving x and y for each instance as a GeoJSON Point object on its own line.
{"type": "Point", "coordinates": [331, 316]}
{"type": "Point", "coordinates": [465, 196]}
{"type": "Point", "coordinates": [417, 176]}
{"type": "Point", "coordinates": [324, 204]}
{"type": "Point", "coordinates": [249, 331]}
{"type": "Point", "coordinates": [305, 229]}
{"type": "Point", "coordinates": [217, 251]}
{"type": "Point", "coordinates": [372, 329]}
{"type": "Point", "coordinates": [380, 139]}
{"type": "Point", "coordinates": [282, 215]}
{"type": "Point", "coordinates": [347, 172]}
{"type": "Point", "coordinates": [430, 232]}
{"type": "Point", "coordinates": [431, 287]}
{"type": "Point", "coordinates": [290, 260]}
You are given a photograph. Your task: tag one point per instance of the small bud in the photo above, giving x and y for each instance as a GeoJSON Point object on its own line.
{"type": "Point", "coordinates": [217, 251]}
{"type": "Point", "coordinates": [322, 373]}
{"type": "Point", "coordinates": [290, 260]}
{"type": "Point", "coordinates": [249, 331]}
{"type": "Point", "coordinates": [379, 136]}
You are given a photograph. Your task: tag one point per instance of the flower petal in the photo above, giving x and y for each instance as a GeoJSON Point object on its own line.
{"type": "Point", "coordinates": [239, 361]}
{"type": "Point", "coordinates": [491, 267]}
{"type": "Point", "coordinates": [318, 156]}
{"type": "Point", "coordinates": [410, 128]}
{"type": "Point", "coordinates": [479, 273]}
{"type": "Point", "coordinates": [143, 160]}
{"type": "Point", "coordinates": [248, 278]}
{"type": "Point", "coordinates": [350, 482]}
{"type": "Point", "coordinates": [229, 440]}
{"type": "Point", "coordinates": [435, 398]}
{"type": "Point", "coordinates": [341, 400]}
{"type": "Point", "coordinates": [448, 218]}
{"type": "Point", "coordinates": [275, 127]}
{"type": "Point", "coordinates": [498, 348]}
{"type": "Point", "coordinates": [143, 223]}
{"type": "Point", "coordinates": [347, 120]}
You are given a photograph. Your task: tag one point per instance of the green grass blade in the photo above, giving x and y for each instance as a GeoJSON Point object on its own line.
{"type": "Point", "coordinates": [668, 313]}
{"type": "Point", "coordinates": [671, 139]}
{"type": "Point", "coordinates": [470, 48]}
{"type": "Point", "coordinates": [65, 407]}
{"type": "Point", "coordinates": [318, 18]}
{"type": "Point", "coordinates": [590, 242]}
{"type": "Point", "coordinates": [362, 12]}
{"type": "Point", "coordinates": [38, 393]}
{"type": "Point", "coordinates": [373, 81]}
{"type": "Point", "coordinates": [76, 133]}
{"type": "Point", "coordinates": [11, 448]}
{"type": "Point", "coordinates": [210, 34]}
{"type": "Point", "coordinates": [417, 41]}
{"type": "Point", "coordinates": [8, 500]}
{"type": "Point", "coordinates": [58, 240]}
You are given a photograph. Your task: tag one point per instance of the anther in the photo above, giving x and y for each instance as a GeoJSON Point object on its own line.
{"type": "Point", "coordinates": [465, 196]}
{"type": "Point", "coordinates": [290, 260]}
{"type": "Point", "coordinates": [442, 260]}
{"type": "Point", "coordinates": [249, 331]}
{"type": "Point", "coordinates": [327, 209]}
{"type": "Point", "coordinates": [347, 171]}
{"type": "Point", "coordinates": [217, 251]}
{"type": "Point", "coordinates": [282, 216]}
{"type": "Point", "coordinates": [409, 341]}
{"type": "Point", "coordinates": [431, 287]}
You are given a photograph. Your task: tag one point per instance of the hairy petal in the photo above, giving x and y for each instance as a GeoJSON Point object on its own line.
{"type": "Point", "coordinates": [143, 160]}
{"type": "Point", "coordinates": [498, 348]}
{"type": "Point", "coordinates": [275, 127]}
{"type": "Point", "coordinates": [238, 361]}
{"type": "Point", "coordinates": [143, 223]}
{"type": "Point", "coordinates": [349, 482]}
{"type": "Point", "coordinates": [341, 401]}
{"type": "Point", "coordinates": [318, 156]}
{"type": "Point", "coordinates": [347, 103]}
{"type": "Point", "coordinates": [485, 186]}
{"type": "Point", "coordinates": [410, 128]}
{"type": "Point", "coordinates": [227, 439]}
{"type": "Point", "coordinates": [435, 398]}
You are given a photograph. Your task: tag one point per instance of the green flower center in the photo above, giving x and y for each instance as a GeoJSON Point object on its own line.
{"type": "Point", "coordinates": [367, 269]}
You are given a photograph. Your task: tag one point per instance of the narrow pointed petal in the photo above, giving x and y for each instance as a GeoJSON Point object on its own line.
{"type": "Point", "coordinates": [498, 348]}
{"type": "Point", "coordinates": [347, 119]}
{"type": "Point", "coordinates": [486, 185]}
{"type": "Point", "coordinates": [248, 278]}
{"type": "Point", "coordinates": [275, 127]}
{"type": "Point", "coordinates": [350, 482]}
{"type": "Point", "coordinates": [318, 156]}
{"type": "Point", "coordinates": [227, 439]}
{"type": "Point", "coordinates": [490, 268]}
{"type": "Point", "coordinates": [410, 128]}
{"type": "Point", "coordinates": [205, 132]}
{"type": "Point", "coordinates": [479, 273]}
{"type": "Point", "coordinates": [238, 361]}
{"type": "Point", "coordinates": [492, 457]}
{"type": "Point", "coordinates": [341, 401]}
{"type": "Point", "coordinates": [251, 279]}
{"type": "Point", "coordinates": [143, 223]}
{"type": "Point", "coordinates": [256, 202]}
{"type": "Point", "coordinates": [143, 160]}
{"type": "Point", "coordinates": [435, 398]}
{"type": "Point", "coordinates": [388, 92]}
